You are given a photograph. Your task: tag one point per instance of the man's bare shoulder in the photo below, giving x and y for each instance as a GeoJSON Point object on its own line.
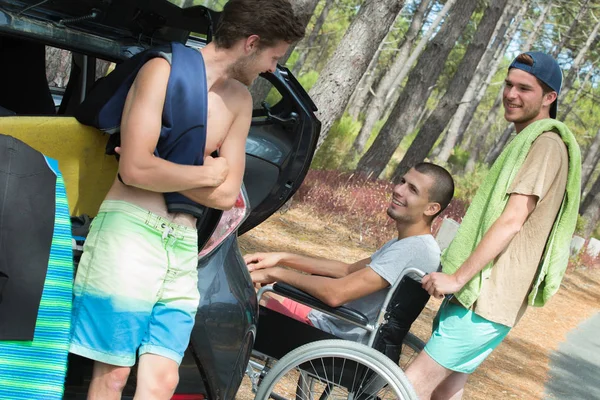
{"type": "Point", "coordinates": [236, 95]}
{"type": "Point", "coordinates": [154, 68]}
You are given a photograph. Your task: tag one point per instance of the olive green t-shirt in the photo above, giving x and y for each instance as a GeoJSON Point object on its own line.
{"type": "Point", "coordinates": [504, 291]}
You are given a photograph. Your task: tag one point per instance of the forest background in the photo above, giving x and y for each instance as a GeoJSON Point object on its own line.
{"type": "Point", "coordinates": [399, 82]}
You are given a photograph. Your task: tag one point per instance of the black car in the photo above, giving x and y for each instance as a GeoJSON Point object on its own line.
{"type": "Point", "coordinates": [279, 150]}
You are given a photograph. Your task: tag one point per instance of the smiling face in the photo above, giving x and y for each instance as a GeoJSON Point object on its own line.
{"type": "Point", "coordinates": [257, 60]}
{"type": "Point", "coordinates": [524, 99]}
{"type": "Point", "coordinates": [410, 198]}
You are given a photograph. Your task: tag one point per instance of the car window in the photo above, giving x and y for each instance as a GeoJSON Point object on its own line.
{"type": "Point", "coordinates": [216, 5]}
{"type": "Point", "coordinates": [58, 71]}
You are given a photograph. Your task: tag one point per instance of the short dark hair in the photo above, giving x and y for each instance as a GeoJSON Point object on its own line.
{"type": "Point", "coordinates": [271, 20]}
{"type": "Point", "coordinates": [527, 59]}
{"type": "Point", "coordinates": [442, 190]}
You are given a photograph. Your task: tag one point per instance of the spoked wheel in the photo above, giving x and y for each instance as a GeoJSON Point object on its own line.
{"type": "Point", "coordinates": [335, 369]}
{"type": "Point", "coordinates": [411, 347]}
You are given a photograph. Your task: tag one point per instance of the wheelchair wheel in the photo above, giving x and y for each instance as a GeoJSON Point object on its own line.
{"type": "Point", "coordinates": [411, 347]}
{"type": "Point", "coordinates": [335, 369]}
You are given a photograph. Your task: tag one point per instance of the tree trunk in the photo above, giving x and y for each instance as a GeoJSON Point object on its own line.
{"type": "Point", "coordinates": [375, 110]}
{"type": "Point", "coordinates": [260, 88]}
{"type": "Point", "coordinates": [404, 68]}
{"type": "Point", "coordinates": [483, 68]}
{"type": "Point", "coordinates": [58, 66]}
{"type": "Point", "coordinates": [567, 35]}
{"type": "Point", "coordinates": [589, 209]}
{"type": "Point", "coordinates": [590, 161]}
{"type": "Point", "coordinates": [414, 96]}
{"type": "Point", "coordinates": [363, 90]}
{"type": "Point", "coordinates": [435, 124]}
{"type": "Point", "coordinates": [536, 28]}
{"type": "Point", "coordinates": [477, 140]}
{"type": "Point", "coordinates": [350, 60]}
{"type": "Point", "coordinates": [499, 145]}
{"type": "Point", "coordinates": [574, 70]}
{"type": "Point", "coordinates": [310, 41]}
{"type": "Point", "coordinates": [566, 110]}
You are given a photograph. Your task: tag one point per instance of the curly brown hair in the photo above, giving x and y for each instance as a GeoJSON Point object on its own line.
{"type": "Point", "coordinates": [271, 20]}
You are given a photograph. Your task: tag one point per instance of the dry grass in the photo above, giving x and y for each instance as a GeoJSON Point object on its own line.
{"type": "Point", "coordinates": [517, 369]}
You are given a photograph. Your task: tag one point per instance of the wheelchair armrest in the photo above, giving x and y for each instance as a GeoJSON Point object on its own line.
{"type": "Point", "coordinates": [298, 295]}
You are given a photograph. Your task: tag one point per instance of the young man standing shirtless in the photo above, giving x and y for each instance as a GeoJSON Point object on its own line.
{"type": "Point", "coordinates": [136, 287]}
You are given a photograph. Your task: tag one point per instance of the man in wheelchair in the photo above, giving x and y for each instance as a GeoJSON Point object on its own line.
{"type": "Point", "coordinates": [422, 194]}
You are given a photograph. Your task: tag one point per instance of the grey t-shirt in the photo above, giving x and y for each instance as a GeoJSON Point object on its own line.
{"type": "Point", "coordinates": [388, 262]}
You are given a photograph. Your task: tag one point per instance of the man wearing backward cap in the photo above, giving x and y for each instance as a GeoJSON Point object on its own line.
{"type": "Point", "coordinates": [512, 248]}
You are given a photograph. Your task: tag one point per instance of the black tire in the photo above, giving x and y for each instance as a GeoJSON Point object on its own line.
{"type": "Point", "coordinates": [411, 347]}
{"type": "Point", "coordinates": [368, 374]}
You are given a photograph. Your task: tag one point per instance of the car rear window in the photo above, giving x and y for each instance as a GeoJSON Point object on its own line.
{"type": "Point", "coordinates": [216, 5]}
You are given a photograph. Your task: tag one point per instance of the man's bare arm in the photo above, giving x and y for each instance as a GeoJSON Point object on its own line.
{"type": "Point", "coordinates": [311, 265]}
{"type": "Point", "coordinates": [333, 292]}
{"type": "Point", "coordinates": [233, 150]}
{"type": "Point", "coordinates": [140, 130]}
{"type": "Point", "coordinates": [495, 240]}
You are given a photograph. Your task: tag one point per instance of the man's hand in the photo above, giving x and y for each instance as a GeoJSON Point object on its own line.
{"type": "Point", "coordinates": [439, 284]}
{"type": "Point", "coordinates": [264, 276]}
{"type": "Point", "coordinates": [219, 168]}
{"type": "Point", "coordinates": [258, 261]}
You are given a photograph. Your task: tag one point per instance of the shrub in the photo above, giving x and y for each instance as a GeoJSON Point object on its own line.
{"type": "Point", "coordinates": [359, 203]}
{"type": "Point", "coordinates": [351, 199]}
{"type": "Point", "coordinates": [337, 144]}
{"type": "Point", "coordinates": [583, 260]}
{"type": "Point", "coordinates": [468, 184]}
{"type": "Point", "coordinates": [459, 158]}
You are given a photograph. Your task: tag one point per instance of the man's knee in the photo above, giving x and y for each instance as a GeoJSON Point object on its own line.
{"type": "Point", "coordinates": [160, 382]}
{"type": "Point", "coordinates": [110, 377]}
{"type": "Point", "coordinates": [157, 376]}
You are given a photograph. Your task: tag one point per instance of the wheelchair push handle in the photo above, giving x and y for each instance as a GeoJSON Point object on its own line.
{"type": "Point", "coordinates": [413, 271]}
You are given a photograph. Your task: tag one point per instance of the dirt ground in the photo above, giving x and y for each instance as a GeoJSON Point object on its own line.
{"type": "Point", "coordinates": [519, 366]}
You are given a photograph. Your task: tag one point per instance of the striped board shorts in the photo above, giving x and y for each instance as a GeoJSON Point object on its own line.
{"type": "Point", "coordinates": [135, 288]}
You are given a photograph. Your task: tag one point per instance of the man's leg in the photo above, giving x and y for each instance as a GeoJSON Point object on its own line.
{"type": "Point", "coordinates": [120, 272]}
{"type": "Point", "coordinates": [451, 388]}
{"type": "Point", "coordinates": [172, 318]}
{"type": "Point", "coordinates": [425, 375]}
{"type": "Point", "coordinates": [157, 378]}
{"type": "Point", "coordinates": [461, 340]}
{"type": "Point", "coordinates": [107, 382]}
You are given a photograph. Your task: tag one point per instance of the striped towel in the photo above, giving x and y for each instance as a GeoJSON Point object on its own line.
{"type": "Point", "coordinates": [36, 370]}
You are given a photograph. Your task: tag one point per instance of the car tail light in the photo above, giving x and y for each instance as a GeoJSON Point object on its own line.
{"type": "Point", "coordinates": [229, 222]}
{"type": "Point", "coordinates": [187, 397]}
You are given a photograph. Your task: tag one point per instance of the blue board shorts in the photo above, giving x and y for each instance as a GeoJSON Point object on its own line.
{"type": "Point", "coordinates": [136, 288]}
{"type": "Point", "coordinates": [461, 339]}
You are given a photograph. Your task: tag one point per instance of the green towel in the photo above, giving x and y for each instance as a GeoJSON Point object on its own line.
{"type": "Point", "coordinates": [490, 200]}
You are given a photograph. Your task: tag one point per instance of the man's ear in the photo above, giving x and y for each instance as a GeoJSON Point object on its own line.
{"type": "Point", "coordinates": [549, 98]}
{"type": "Point", "coordinates": [251, 44]}
{"type": "Point", "coordinates": [432, 209]}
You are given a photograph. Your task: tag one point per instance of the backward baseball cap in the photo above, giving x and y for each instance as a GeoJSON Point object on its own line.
{"type": "Point", "coordinates": [547, 70]}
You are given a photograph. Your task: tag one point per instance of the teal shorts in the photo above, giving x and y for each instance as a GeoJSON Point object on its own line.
{"type": "Point", "coordinates": [136, 287]}
{"type": "Point", "coordinates": [461, 339]}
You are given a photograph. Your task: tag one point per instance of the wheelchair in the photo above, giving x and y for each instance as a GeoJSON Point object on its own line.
{"type": "Point", "coordinates": [295, 360]}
